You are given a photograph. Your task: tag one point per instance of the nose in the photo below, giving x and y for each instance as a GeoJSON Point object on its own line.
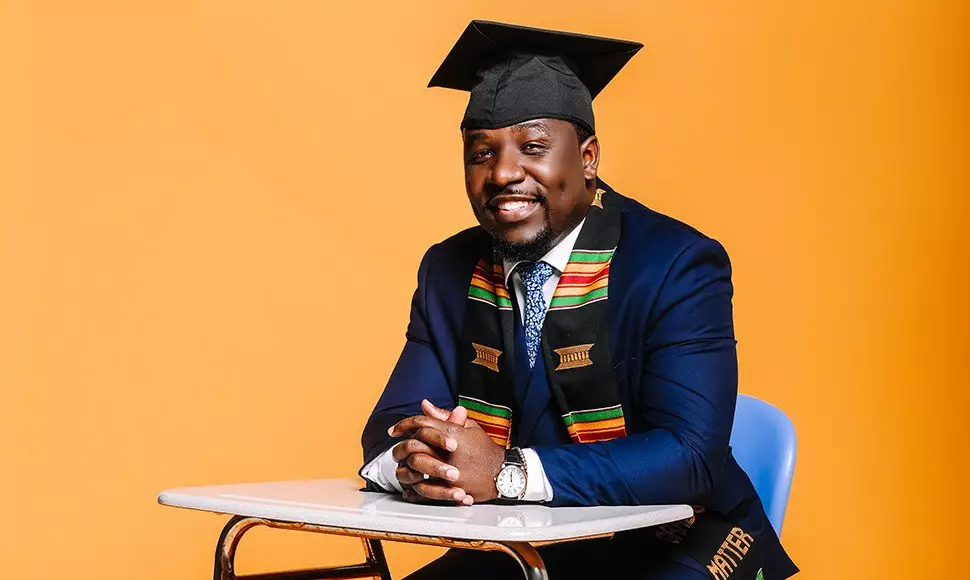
{"type": "Point", "coordinates": [506, 169]}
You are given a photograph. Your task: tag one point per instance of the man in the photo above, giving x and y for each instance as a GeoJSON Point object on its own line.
{"type": "Point", "coordinates": [575, 349]}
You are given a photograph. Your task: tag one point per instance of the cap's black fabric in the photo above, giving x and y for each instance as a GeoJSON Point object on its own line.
{"type": "Point", "coordinates": [516, 73]}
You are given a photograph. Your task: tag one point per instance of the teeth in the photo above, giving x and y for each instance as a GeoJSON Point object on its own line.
{"type": "Point", "coordinates": [512, 205]}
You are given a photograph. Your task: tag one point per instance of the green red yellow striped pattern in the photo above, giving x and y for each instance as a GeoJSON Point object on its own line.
{"type": "Point", "coordinates": [584, 280]}
{"type": "Point", "coordinates": [595, 424]}
{"type": "Point", "coordinates": [496, 420]}
{"type": "Point", "coordinates": [488, 286]}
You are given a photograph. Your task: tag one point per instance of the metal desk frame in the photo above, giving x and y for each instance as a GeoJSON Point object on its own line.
{"type": "Point", "coordinates": [375, 565]}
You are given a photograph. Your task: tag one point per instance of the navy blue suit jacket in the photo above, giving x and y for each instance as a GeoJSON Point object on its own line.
{"type": "Point", "coordinates": [673, 350]}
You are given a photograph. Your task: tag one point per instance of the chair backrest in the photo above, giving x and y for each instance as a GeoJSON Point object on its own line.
{"type": "Point", "coordinates": [763, 442]}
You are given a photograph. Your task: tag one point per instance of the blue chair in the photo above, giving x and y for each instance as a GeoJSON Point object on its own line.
{"type": "Point", "coordinates": [763, 442]}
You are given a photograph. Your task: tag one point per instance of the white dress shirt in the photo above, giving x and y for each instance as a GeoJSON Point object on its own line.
{"type": "Point", "coordinates": [381, 469]}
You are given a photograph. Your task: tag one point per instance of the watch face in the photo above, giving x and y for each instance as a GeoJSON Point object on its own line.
{"type": "Point", "coordinates": [511, 481]}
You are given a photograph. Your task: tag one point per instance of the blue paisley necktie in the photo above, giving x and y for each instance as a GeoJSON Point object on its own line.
{"type": "Point", "coordinates": [534, 274]}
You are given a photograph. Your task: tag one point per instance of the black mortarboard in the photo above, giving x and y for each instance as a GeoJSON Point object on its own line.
{"type": "Point", "coordinates": [516, 73]}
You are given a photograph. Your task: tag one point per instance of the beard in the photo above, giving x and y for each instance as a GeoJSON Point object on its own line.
{"type": "Point", "coordinates": [529, 250]}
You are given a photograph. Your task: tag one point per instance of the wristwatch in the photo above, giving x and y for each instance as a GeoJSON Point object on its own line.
{"type": "Point", "coordinates": [512, 477]}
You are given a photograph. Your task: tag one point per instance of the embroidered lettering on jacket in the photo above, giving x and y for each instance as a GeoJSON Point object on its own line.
{"type": "Point", "coordinates": [729, 555]}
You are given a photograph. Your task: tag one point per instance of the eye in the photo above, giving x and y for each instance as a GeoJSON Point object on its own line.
{"type": "Point", "coordinates": [533, 147]}
{"type": "Point", "coordinates": [480, 155]}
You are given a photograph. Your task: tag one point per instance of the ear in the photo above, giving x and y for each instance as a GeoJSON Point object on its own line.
{"type": "Point", "coordinates": [589, 150]}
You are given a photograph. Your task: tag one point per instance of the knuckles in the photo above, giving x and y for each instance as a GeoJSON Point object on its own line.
{"type": "Point", "coordinates": [411, 460]}
{"type": "Point", "coordinates": [423, 423]}
{"type": "Point", "coordinates": [428, 434]}
{"type": "Point", "coordinates": [436, 424]}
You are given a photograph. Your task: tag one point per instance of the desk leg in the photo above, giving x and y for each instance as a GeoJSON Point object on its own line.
{"type": "Point", "coordinates": [224, 568]}
{"type": "Point", "coordinates": [225, 562]}
{"type": "Point", "coordinates": [375, 556]}
{"type": "Point", "coordinates": [529, 560]}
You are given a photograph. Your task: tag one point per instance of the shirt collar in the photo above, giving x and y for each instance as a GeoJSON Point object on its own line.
{"type": "Point", "coordinates": [557, 257]}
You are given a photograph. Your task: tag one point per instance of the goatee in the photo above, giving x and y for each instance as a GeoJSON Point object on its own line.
{"type": "Point", "coordinates": [530, 251]}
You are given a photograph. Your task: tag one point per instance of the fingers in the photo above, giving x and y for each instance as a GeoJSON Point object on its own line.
{"type": "Point", "coordinates": [423, 463]}
{"type": "Point", "coordinates": [433, 411]}
{"type": "Point", "coordinates": [457, 416]}
{"type": "Point", "coordinates": [435, 438]}
{"type": "Point", "coordinates": [412, 424]}
{"type": "Point", "coordinates": [431, 431]}
{"type": "Point", "coordinates": [401, 451]}
{"type": "Point", "coordinates": [414, 497]}
{"type": "Point", "coordinates": [437, 491]}
{"type": "Point", "coordinates": [417, 465]}
{"type": "Point", "coordinates": [408, 476]}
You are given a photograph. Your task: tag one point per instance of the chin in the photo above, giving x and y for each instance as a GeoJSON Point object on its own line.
{"type": "Point", "coordinates": [524, 246]}
{"type": "Point", "coordinates": [518, 236]}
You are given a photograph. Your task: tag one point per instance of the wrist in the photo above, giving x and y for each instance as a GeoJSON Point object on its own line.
{"type": "Point", "coordinates": [496, 461]}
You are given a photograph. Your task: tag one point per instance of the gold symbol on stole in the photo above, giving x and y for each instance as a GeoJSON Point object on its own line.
{"type": "Point", "coordinates": [598, 198]}
{"type": "Point", "coordinates": [573, 357]}
{"type": "Point", "coordinates": [486, 356]}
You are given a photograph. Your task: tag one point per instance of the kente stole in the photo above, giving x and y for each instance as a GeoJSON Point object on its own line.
{"type": "Point", "coordinates": [575, 338]}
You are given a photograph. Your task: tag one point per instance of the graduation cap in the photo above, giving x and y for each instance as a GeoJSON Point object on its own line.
{"type": "Point", "coordinates": [517, 73]}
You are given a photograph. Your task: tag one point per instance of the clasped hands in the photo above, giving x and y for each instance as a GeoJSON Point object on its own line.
{"type": "Point", "coordinates": [459, 458]}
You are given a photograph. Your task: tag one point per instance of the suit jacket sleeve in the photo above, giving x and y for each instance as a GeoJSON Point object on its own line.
{"type": "Point", "coordinates": [417, 375]}
{"type": "Point", "coordinates": [688, 393]}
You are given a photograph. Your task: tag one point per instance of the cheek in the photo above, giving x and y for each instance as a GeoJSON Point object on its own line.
{"type": "Point", "coordinates": [548, 173]}
{"type": "Point", "coordinates": [474, 180]}
{"type": "Point", "coordinates": [564, 170]}
{"type": "Point", "coordinates": [563, 177]}
{"type": "Point", "coordinates": [558, 179]}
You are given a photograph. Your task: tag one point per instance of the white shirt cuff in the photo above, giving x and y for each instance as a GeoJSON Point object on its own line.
{"type": "Point", "coordinates": [537, 486]}
{"type": "Point", "coordinates": [381, 471]}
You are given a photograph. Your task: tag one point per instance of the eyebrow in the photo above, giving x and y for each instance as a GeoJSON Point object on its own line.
{"type": "Point", "coordinates": [537, 125]}
{"type": "Point", "coordinates": [473, 135]}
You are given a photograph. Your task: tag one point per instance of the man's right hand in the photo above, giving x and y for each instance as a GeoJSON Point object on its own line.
{"type": "Point", "coordinates": [428, 456]}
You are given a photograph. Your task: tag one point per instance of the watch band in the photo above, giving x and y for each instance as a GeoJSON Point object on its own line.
{"type": "Point", "coordinates": [514, 456]}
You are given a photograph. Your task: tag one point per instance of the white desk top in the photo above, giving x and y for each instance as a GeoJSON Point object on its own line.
{"type": "Point", "coordinates": [338, 503]}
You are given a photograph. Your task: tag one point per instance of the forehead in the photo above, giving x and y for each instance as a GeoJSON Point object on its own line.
{"type": "Point", "coordinates": [547, 127]}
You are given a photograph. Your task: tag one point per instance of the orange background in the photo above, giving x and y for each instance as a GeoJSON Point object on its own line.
{"type": "Point", "coordinates": [211, 214]}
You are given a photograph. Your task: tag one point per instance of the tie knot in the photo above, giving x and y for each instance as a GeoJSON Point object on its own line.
{"type": "Point", "coordinates": [535, 273]}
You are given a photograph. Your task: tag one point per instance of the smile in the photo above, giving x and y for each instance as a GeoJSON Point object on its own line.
{"type": "Point", "coordinates": [513, 210]}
